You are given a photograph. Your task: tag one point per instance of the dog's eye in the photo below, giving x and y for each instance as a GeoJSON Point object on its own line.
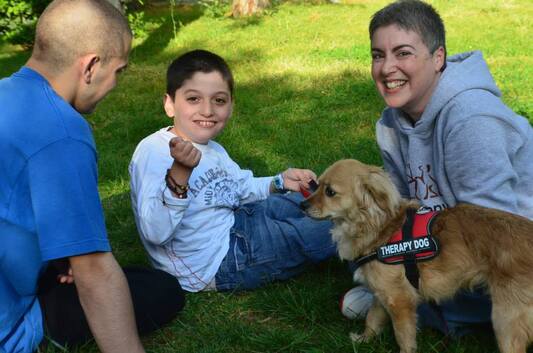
{"type": "Point", "coordinates": [329, 192]}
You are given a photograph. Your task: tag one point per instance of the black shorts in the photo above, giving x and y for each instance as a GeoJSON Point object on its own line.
{"type": "Point", "coordinates": [157, 298]}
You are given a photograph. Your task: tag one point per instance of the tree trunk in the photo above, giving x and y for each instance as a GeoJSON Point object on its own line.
{"type": "Point", "coordinates": [117, 4]}
{"type": "Point", "coordinates": [248, 7]}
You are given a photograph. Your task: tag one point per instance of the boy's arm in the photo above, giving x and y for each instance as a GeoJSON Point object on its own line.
{"type": "Point", "coordinates": [249, 187]}
{"type": "Point", "coordinates": [105, 298]}
{"type": "Point", "coordinates": [158, 212]}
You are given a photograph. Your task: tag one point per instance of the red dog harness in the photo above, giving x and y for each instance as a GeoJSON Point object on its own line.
{"type": "Point", "coordinates": [412, 243]}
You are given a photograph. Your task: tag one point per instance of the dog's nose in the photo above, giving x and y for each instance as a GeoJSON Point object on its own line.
{"type": "Point", "coordinates": [304, 205]}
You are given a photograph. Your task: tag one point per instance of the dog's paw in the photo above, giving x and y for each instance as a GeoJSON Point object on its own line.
{"type": "Point", "coordinates": [358, 337]}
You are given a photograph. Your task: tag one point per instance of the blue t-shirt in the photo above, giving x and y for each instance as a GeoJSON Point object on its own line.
{"type": "Point", "coordinates": [49, 202]}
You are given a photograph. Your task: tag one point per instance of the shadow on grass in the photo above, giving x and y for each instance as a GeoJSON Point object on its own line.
{"type": "Point", "coordinates": [168, 27]}
{"type": "Point", "coordinates": [122, 231]}
{"type": "Point", "coordinates": [243, 22]}
{"type": "Point", "coordinates": [332, 118]}
{"type": "Point", "coordinates": [274, 124]}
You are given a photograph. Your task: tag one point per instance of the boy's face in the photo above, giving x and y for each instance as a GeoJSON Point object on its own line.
{"type": "Point", "coordinates": [201, 107]}
{"type": "Point", "coordinates": [404, 70]}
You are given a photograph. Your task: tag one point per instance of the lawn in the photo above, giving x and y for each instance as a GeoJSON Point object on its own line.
{"type": "Point", "coordinates": [304, 98]}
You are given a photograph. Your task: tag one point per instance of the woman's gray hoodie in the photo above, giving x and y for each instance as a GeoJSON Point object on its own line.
{"type": "Point", "coordinates": [468, 145]}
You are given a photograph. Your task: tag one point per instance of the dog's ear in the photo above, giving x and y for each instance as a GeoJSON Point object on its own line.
{"type": "Point", "coordinates": [379, 187]}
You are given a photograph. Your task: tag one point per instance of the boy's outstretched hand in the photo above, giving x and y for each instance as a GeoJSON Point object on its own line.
{"type": "Point", "coordinates": [294, 179]}
{"type": "Point", "coordinates": [184, 152]}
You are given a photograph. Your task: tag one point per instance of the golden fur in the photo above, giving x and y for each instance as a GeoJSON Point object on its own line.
{"type": "Point", "coordinates": [479, 246]}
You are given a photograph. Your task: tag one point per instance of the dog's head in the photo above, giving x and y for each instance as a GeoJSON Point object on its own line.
{"type": "Point", "coordinates": [359, 197]}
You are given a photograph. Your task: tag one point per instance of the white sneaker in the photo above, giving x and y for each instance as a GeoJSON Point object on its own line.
{"type": "Point", "coordinates": [356, 302]}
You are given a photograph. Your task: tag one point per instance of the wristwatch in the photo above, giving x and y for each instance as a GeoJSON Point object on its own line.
{"type": "Point", "coordinates": [277, 181]}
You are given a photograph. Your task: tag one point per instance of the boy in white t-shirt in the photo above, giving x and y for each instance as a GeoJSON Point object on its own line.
{"type": "Point", "coordinates": [201, 217]}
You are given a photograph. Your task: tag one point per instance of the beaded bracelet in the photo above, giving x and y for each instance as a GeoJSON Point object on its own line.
{"type": "Point", "coordinates": [179, 190]}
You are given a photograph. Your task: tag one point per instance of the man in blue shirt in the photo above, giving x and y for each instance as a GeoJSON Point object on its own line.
{"type": "Point", "coordinates": [50, 211]}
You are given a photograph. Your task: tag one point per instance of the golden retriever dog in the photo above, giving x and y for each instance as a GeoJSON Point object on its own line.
{"type": "Point", "coordinates": [478, 247]}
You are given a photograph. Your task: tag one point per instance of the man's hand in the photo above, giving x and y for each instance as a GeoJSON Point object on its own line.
{"type": "Point", "coordinates": [63, 270]}
{"type": "Point", "coordinates": [184, 153]}
{"type": "Point", "coordinates": [66, 278]}
{"type": "Point", "coordinates": [294, 178]}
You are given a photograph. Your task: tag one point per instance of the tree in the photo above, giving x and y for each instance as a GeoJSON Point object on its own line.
{"type": "Point", "coordinates": [248, 7]}
{"type": "Point", "coordinates": [118, 4]}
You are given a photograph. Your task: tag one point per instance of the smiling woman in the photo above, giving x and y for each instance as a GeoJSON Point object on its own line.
{"type": "Point", "coordinates": [446, 137]}
{"type": "Point", "coordinates": [404, 70]}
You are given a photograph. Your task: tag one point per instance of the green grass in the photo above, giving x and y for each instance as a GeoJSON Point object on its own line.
{"type": "Point", "coordinates": [304, 98]}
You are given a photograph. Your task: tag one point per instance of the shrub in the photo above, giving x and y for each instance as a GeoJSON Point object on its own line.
{"type": "Point", "coordinates": [18, 19]}
{"type": "Point", "coordinates": [215, 8]}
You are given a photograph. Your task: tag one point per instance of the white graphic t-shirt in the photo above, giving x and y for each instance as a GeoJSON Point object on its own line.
{"type": "Point", "coordinates": [189, 237]}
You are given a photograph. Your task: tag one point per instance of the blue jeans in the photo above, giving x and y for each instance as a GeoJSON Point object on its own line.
{"type": "Point", "coordinates": [458, 316]}
{"type": "Point", "coordinates": [461, 315]}
{"type": "Point", "coordinates": [272, 240]}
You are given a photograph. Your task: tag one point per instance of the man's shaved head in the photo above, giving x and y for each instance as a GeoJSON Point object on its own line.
{"type": "Point", "coordinates": [69, 29]}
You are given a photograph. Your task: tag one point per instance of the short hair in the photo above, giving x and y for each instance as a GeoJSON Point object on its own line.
{"type": "Point", "coordinates": [412, 15]}
{"type": "Point", "coordinates": [186, 65]}
{"type": "Point", "coordinates": [68, 29]}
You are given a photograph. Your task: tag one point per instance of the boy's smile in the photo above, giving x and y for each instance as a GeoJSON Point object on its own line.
{"type": "Point", "coordinates": [404, 70]}
{"type": "Point", "coordinates": [201, 107]}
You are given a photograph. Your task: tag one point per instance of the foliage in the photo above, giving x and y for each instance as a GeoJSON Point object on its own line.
{"type": "Point", "coordinates": [136, 17]}
{"type": "Point", "coordinates": [18, 19]}
{"type": "Point", "coordinates": [137, 23]}
{"type": "Point", "coordinates": [215, 8]}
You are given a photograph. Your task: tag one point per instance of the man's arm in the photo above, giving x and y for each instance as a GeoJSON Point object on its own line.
{"type": "Point", "coordinates": [105, 298]}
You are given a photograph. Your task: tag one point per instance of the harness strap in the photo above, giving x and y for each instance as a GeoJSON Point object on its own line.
{"type": "Point", "coordinates": [364, 259]}
{"type": "Point", "coordinates": [411, 269]}
{"type": "Point", "coordinates": [409, 245]}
